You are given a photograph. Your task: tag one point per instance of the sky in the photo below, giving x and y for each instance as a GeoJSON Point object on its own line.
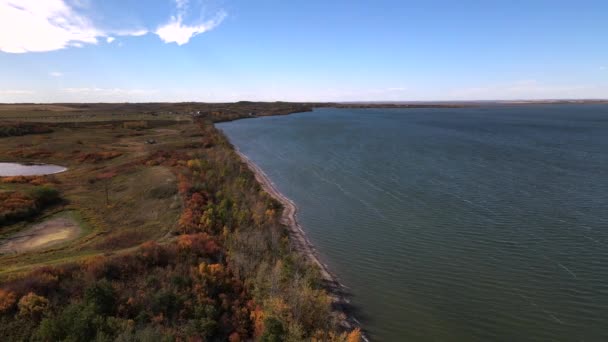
{"type": "Point", "coordinates": [302, 50]}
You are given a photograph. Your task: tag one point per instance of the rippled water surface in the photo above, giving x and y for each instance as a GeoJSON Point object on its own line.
{"type": "Point", "coordinates": [453, 224]}
{"type": "Point", "coordinates": [18, 169]}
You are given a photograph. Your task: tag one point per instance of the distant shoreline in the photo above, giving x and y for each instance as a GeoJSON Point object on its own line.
{"type": "Point", "coordinates": [336, 291]}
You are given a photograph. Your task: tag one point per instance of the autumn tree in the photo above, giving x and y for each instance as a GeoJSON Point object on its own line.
{"type": "Point", "coordinates": [7, 300]}
{"type": "Point", "coordinates": [32, 305]}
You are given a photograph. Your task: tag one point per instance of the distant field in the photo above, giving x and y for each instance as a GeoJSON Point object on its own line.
{"type": "Point", "coordinates": [36, 107]}
{"type": "Point", "coordinates": [97, 112]}
{"type": "Point", "coordinates": [63, 113]}
{"type": "Point", "coordinates": [57, 117]}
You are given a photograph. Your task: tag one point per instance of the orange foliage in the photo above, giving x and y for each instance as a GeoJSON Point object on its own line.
{"type": "Point", "coordinates": [190, 219]}
{"type": "Point", "coordinates": [7, 300]}
{"type": "Point", "coordinates": [257, 316]}
{"type": "Point", "coordinates": [183, 184]}
{"type": "Point", "coordinates": [15, 205]}
{"type": "Point", "coordinates": [40, 154]}
{"type": "Point", "coordinates": [184, 242]}
{"type": "Point", "coordinates": [106, 175]}
{"type": "Point", "coordinates": [234, 337]}
{"type": "Point", "coordinates": [354, 336]}
{"type": "Point", "coordinates": [215, 269]}
{"type": "Point", "coordinates": [96, 157]}
{"type": "Point", "coordinates": [11, 201]}
{"type": "Point", "coordinates": [34, 180]}
{"type": "Point", "coordinates": [153, 253]}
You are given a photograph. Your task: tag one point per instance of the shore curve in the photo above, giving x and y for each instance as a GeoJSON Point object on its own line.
{"type": "Point", "coordinates": [340, 303]}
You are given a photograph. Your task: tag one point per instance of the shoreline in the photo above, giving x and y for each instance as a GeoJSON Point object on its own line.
{"type": "Point", "coordinates": [336, 291]}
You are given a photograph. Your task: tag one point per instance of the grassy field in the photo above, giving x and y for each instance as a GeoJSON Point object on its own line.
{"type": "Point", "coordinates": [142, 198]}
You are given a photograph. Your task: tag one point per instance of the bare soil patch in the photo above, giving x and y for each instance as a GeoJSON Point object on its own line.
{"type": "Point", "coordinates": [42, 235]}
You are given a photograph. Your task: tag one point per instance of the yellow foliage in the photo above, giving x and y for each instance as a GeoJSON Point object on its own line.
{"type": "Point", "coordinates": [202, 268]}
{"type": "Point", "coordinates": [32, 305]}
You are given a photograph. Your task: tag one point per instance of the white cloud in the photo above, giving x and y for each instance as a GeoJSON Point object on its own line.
{"type": "Point", "coordinates": [56, 74]}
{"type": "Point", "coordinates": [175, 31]}
{"type": "Point", "coordinates": [35, 26]}
{"type": "Point", "coordinates": [38, 26]}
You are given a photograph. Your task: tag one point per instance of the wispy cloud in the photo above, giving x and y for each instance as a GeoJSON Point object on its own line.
{"type": "Point", "coordinates": [108, 91]}
{"type": "Point", "coordinates": [39, 26]}
{"type": "Point", "coordinates": [133, 33]}
{"type": "Point", "coordinates": [56, 74]}
{"type": "Point", "coordinates": [175, 31]}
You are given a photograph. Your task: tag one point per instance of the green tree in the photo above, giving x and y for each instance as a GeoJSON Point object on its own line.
{"type": "Point", "coordinates": [273, 330]}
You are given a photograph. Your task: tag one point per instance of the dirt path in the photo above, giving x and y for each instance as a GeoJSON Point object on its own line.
{"type": "Point", "coordinates": [41, 235]}
{"type": "Point", "coordinates": [336, 290]}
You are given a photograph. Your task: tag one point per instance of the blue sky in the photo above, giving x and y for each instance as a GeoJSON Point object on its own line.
{"type": "Point", "coordinates": [313, 50]}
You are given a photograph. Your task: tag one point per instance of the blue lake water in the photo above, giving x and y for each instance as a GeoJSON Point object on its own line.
{"type": "Point", "coordinates": [452, 224]}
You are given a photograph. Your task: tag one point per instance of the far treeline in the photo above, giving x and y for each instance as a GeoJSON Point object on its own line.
{"type": "Point", "coordinates": [227, 271]}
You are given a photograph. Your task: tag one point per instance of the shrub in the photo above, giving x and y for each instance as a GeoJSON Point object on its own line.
{"type": "Point", "coordinates": [32, 306]}
{"type": "Point", "coordinates": [45, 195]}
{"type": "Point", "coordinates": [101, 296]}
{"type": "Point", "coordinates": [7, 300]}
{"type": "Point", "coordinates": [273, 331]}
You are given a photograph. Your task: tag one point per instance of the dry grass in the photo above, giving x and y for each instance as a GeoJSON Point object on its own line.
{"type": "Point", "coordinates": [143, 200]}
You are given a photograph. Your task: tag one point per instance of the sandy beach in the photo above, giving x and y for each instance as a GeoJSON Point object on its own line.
{"type": "Point", "coordinates": [336, 290]}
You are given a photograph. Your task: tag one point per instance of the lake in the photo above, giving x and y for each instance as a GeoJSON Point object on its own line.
{"type": "Point", "coordinates": [19, 169]}
{"type": "Point", "coordinates": [486, 223]}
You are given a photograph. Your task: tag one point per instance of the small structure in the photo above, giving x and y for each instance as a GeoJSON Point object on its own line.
{"type": "Point", "coordinates": [151, 141]}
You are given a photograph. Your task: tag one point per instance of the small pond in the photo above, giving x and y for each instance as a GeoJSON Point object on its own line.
{"type": "Point", "coordinates": [29, 169]}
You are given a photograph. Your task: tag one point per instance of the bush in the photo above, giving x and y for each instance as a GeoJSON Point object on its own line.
{"type": "Point", "coordinates": [102, 297]}
{"type": "Point", "coordinates": [273, 330]}
{"type": "Point", "coordinates": [32, 306]}
{"type": "Point", "coordinates": [15, 206]}
{"type": "Point", "coordinates": [45, 195]}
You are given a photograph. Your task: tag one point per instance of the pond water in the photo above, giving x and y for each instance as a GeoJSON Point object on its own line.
{"type": "Point", "coordinates": [19, 169]}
